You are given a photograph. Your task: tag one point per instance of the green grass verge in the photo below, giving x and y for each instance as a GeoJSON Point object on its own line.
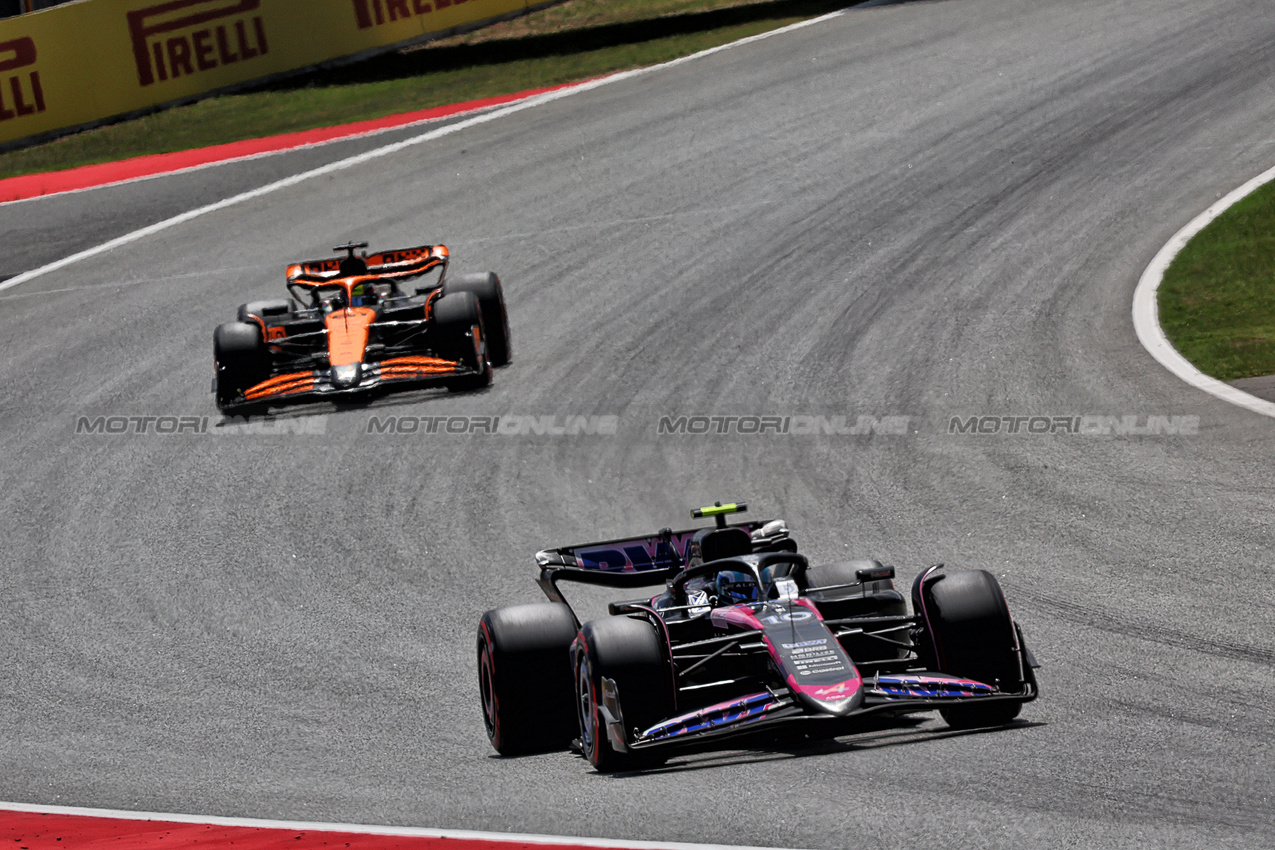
{"type": "Point", "coordinates": [576, 40]}
{"type": "Point", "coordinates": [1217, 301]}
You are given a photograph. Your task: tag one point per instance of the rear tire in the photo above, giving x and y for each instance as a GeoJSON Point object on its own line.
{"type": "Point", "coordinates": [239, 361]}
{"type": "Point", "coordinates": [455, 316]}
{"type": "Point", "coordinates": [491, 300]}
{"type": "Point", "coordinates": [972, 636]}
{"type": "Point", "coordinates": [631, 653]}
{"type": "Point", "coordinates": [524, 677]}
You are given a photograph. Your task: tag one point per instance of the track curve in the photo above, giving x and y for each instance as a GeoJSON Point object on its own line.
{"type": "Point", "coordinates": [935, 210]}
{"type": "Point", "coordinates": [1146, 305]}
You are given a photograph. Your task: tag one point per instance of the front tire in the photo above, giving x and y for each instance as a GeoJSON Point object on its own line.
{"type": "Point", "coordinates": [972, 635]}
{"type": "Point", "coordinates": [630, 653]}
{"type": "Point", "coordinates": [239, 361]}
{"type": "Point", "coordinates": [491, 300]}
{"type": "Point", "coordinates": [457, 319]}
{"type": "Point", "coordinates": [524, 677]}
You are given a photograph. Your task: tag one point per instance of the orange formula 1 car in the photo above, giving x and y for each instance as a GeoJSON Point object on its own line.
{"type": "Point", "coordinates": [350, 329]}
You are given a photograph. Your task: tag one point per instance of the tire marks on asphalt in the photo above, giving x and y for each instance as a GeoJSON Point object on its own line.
{"type": "Point", "coordinates": [1086, 615]}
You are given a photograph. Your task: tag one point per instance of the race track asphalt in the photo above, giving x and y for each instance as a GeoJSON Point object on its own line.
{"type": "Point", "coordinates": [934, 210]}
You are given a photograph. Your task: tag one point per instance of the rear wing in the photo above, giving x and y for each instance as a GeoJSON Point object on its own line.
{"type": "Point", "coordinates": [399, 263]}
{"type": "Point", "coordinates": [624, 562]}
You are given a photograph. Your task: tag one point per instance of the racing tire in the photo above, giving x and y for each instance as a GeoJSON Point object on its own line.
{"type": "Point", "coordinates": [265, 310]}
{"type": "Point", "coordinates": [524, 677]}
{"type": "Point", "coordinates": [972, 635]}
{"type": "Point", "coordinates": [455, 316]}
{"type": "Point", "coordinates": [632, 654]}
{"type": "Point", "coordinates": [491, 300]}
{"type": "Point", "coordinates": [239, 361]}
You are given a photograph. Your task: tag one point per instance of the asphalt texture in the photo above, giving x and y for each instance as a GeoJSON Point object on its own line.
{"type": "Point", "coordinates": [936, 210]}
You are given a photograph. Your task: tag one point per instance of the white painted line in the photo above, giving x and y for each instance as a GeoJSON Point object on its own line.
{"type": "Point", "coordinates": [1146, 310]}
{"type": "Point", "coordinates": [360, 159]}
{"type": "Point", "coordinates": [406, 831]}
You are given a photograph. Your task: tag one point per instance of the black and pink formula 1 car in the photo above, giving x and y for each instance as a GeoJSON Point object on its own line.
{"type": "Point", "coordinates": [745, 636]}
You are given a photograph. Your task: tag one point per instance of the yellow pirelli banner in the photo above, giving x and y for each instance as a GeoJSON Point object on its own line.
{"type": "Point", "coordinates": [81, 63]}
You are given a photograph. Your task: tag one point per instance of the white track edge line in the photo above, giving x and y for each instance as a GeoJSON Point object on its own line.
{"type": "Point", "coordinates": [404, 831]}
{"type": "Point", "coordinates": [1146, 310]}
{"type": "Point", "coordinates": [367, 156]}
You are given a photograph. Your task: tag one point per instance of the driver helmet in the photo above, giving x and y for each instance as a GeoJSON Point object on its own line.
{"type": "Point", "coordinates": [734, 586]}
{"type": "Point", "coordinates": [364, 295]}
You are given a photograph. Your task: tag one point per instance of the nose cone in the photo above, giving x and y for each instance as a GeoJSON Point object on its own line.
{"type": "Point", "coordinates": [838, 700]}
{"type": "Point", "coordinates": [347, 376]}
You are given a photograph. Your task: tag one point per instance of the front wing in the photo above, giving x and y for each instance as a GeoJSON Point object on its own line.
{"type": "Point", "coordinates": [752, 713]}
{"type": "Point", "coordinates": [322, 383]}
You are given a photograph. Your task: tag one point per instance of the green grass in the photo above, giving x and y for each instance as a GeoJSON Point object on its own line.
{"type": "Point", "coordinates": [1217, 301]}
{"type": "Point", "coordinates": [576, 40]}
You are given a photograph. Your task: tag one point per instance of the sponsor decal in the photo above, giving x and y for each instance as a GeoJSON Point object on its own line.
{"type": "Point", "coordinates": [699, 599]}
{"type": "Point", "coordinates": [930, 686]}
{"type": "Point", "coordinates": [20, 91]}
{"type": "Point", "coordinates": [819, 657]}
{"type": "Point", "coordinates": [389, 258]}
{"type": "Point", "coordinates": [318, 267]}
{"type": "Point", "coordinates": [835, 693]}
{"type": "Point", "coordinates": [375, 13]}
{"type": "Point", "coordinates": [742, 710]}
{"type": "Point", "coordinates": [804, 643]}
{"type": "Point", "coordinates": [185, 37]}
{"type": "Point", "coordinates": [638, 555]}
